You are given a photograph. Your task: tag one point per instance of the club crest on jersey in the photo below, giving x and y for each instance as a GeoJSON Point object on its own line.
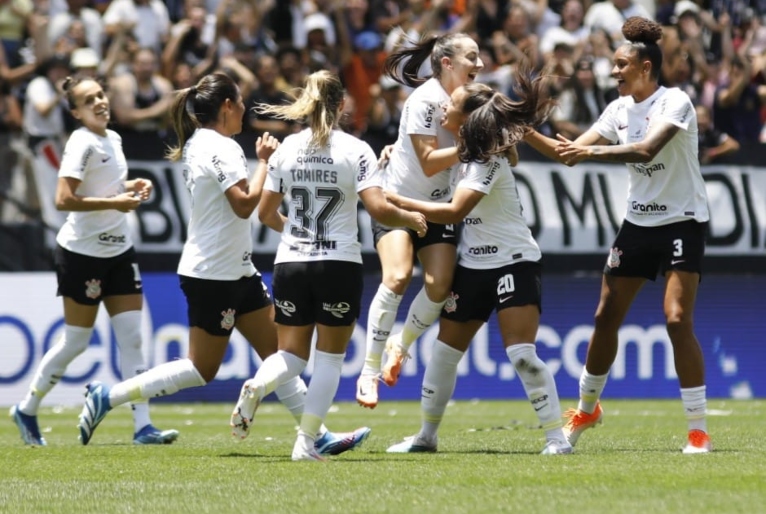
{"type": "Point", "coordinates": [451, 304]}
{"type": "Point", "coordinates": [614, 258]}
{"type": "Point", "coordinates": [93, 288]}
{"type": "Point", "coordinates": [227, 322]}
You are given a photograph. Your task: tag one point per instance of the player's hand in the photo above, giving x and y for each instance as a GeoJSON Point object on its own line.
{"type": "Point", "coordinates": [142, 189]}
{"type": "Point", "coordinates": [570, 152]}
{"type": "Point", "coordinates": [385, 155]}
{"type": "Point", "coordinates": [126, 202]}
{"type": "Point", "coordinates": [265, 146]}
{"type": "Point", "coordinates": [417, 223]}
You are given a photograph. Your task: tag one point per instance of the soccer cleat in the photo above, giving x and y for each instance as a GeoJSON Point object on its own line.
{"type": "Point", "coordinates": [309, 455]}
{"type": "Point", "coordinates": [335, 444]}
{"type": "Point", "coordinates": [580, 421]}
{"type": "Point", "coordinates": [151, 435]}
{"type": "Point", "coordinates": [396, 357]}
{"type": "Point", "coordinates": [556, 447]}
{"type": "Point", "coordinates": [27, 426]}
{"type": "Point", "coordinates": [95, 409]}
{"type": "Point", "coordinates": [367, 390]}
{"type": "Point", "coordinates": [699, 442]}
{"type": "Point", "coordinates": [413, 444]}
{"type": "Point", "coordinates": [244, 411]}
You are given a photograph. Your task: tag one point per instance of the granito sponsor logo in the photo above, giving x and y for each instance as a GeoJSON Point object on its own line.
{"type": "Point", "coordinates": [491, 173]}
{"type": "Point", "coordinates": [440, 193]}
{"type": "Point", "coordinates": [429, 119]}
{"type": "Point", "coordinates": [107, 238]}
{"type": "Point", "coordinates": [645, 170]}
{"type": "Point", "coordinates": [473, 221]}
{"type": "Point", "coordinates": [483, 250]}
{"type": "Point", "coordinates": [218, 169]}
{"type": "Point", "coordinates": [653, 208]}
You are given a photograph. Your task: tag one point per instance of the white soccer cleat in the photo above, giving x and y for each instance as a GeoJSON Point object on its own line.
{"type": "Point", "coordinates": [244, 411]}
{"type": "Point", "coordinates": [556, 447]}
{"type": "Point", "coordinates": [367, 390]}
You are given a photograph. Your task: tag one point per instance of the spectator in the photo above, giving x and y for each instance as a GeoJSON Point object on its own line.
{"type": "Point", "coordinates": [581, 102]}
{"type": "Point", "coordinates": [712, 142]}
{"type": "Point", "coordinates": [140, 101]}
{"type": "Point", "coordinates": [384, 114]}
{"type": "Point", "coordinates": [364, 70]}
{"type": "Point", "coordinates": [10, 126]}
{"type": "Point", "coordinates": [292, 72]}
{"type": "Point", "coordinates": [14, 17]}
{"type": "Point", "coordinates": [517, 38]}
{"type": "Point", "coordinates": [90, 19]}
{"type": "Point", "coordinates": [738, 103]}
{"type": "Point", "coordinates": [85, 62]}
{"type": "Point", "coordinates": [267, 93]}
{"type": "Point", "coordinates": [187, 44]}
{"type": "Point", "coordinates": [148, 20]}
{"type": "Point", "coordinates": [609, 15]}
{"type": "Point", "coordinates": [44, 108]}
{"type": "Point", "coordinates": [571, 31]}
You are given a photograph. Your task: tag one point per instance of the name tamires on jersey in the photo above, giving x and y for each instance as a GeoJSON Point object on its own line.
{"type": "Point", "coordinates": [321, 187]}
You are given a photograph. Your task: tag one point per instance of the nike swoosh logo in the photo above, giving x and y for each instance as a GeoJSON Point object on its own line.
{"type": "Point", "coordinates": [447, 236]}
{"type": "Point", "coordinates": [105, 159]}
{"type": "Point", "coordinates": [679, 261]}
{"type": "Point", "coordinates": [503, 300]}
{"type": "Point", "coordinates": [541, 407]}
{"type": "Point", "coordinates": [622, 127]}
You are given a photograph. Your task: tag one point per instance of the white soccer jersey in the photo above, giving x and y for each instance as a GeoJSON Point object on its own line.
{"type": "Point", "coordinates": [422, 115]}
{"type": "Point", "coordinates": [99, 164]}
{"type": "Point", "coordinates": [321, 188]}
{"type": "Point", "coordinates": [670, 188]}
{"type": "Point", "coordinates": [495, 232]}
{"type": "Point", "coordinates": [219, 243]}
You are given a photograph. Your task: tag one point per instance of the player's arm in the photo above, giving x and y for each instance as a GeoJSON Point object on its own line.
{"type": "Point", "coordinates": [67, 199]}
{"type": "Point", "coordinates": [268, 210]}
{"type": "Point", "coordinates": [432, 158]}
{"type": "Point", "coordinates": [463, 202]}
{"type": "Point", "coordinates": [645, 150]}
{"type": "Point", "coordinates": [547, 146]}
{"type": "Point", "coordinates": [388, 214]}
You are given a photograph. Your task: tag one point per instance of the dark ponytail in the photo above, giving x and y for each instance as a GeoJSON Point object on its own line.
{"type": "Point", "coordinates": [198, 106]}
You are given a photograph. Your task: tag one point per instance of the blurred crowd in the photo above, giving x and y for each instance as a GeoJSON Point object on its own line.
{"type": "Point", "coordinates": [715, 50]}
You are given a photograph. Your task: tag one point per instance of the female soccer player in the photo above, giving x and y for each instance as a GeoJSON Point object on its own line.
{"type": "Point", "coordinates": [501, 274]}
{"type": "Point", "coordinates": [318, 275]}
{"type": "Point", "coordinates": [222, 287]}
{"type": "Point", "coordinates": [94, 257]}
{"type": "Point", "coordinates": [655, 131]}
{"type": "Point", "coordinates": [419, 167]}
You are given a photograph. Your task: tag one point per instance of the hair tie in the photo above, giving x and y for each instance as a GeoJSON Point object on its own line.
{"type": "Point", "coordinates": [193, 90]}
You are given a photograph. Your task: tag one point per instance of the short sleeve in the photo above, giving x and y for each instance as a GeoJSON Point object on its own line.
{"type": "Point", "coordinates": [423, 118]}
{"type": "Point", "coordinates": [480, 177]}
{"type": "Point", "coordinates": [676, 108]}
{"type": "Point", "coordinates": [229, 165]}
{"type": "Point", "coordinates": [273, 180]}
{"type": "Point", "coordinates": [77, 155]}
{"type": "Point", "coordinates": [606, 125]}
{"type": "Point", "coordinates": [367, 172]}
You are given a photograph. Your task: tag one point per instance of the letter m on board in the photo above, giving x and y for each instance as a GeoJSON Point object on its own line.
{"type": "Point", "coordinates": [567, 202]}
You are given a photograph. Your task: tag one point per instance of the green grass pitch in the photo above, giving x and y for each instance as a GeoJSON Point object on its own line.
{"type": "Point", "coordinates": [487, 462]}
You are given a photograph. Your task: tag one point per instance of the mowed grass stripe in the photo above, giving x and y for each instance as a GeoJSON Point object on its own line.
{"type": "Point", "coordinates": [487, 462]}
